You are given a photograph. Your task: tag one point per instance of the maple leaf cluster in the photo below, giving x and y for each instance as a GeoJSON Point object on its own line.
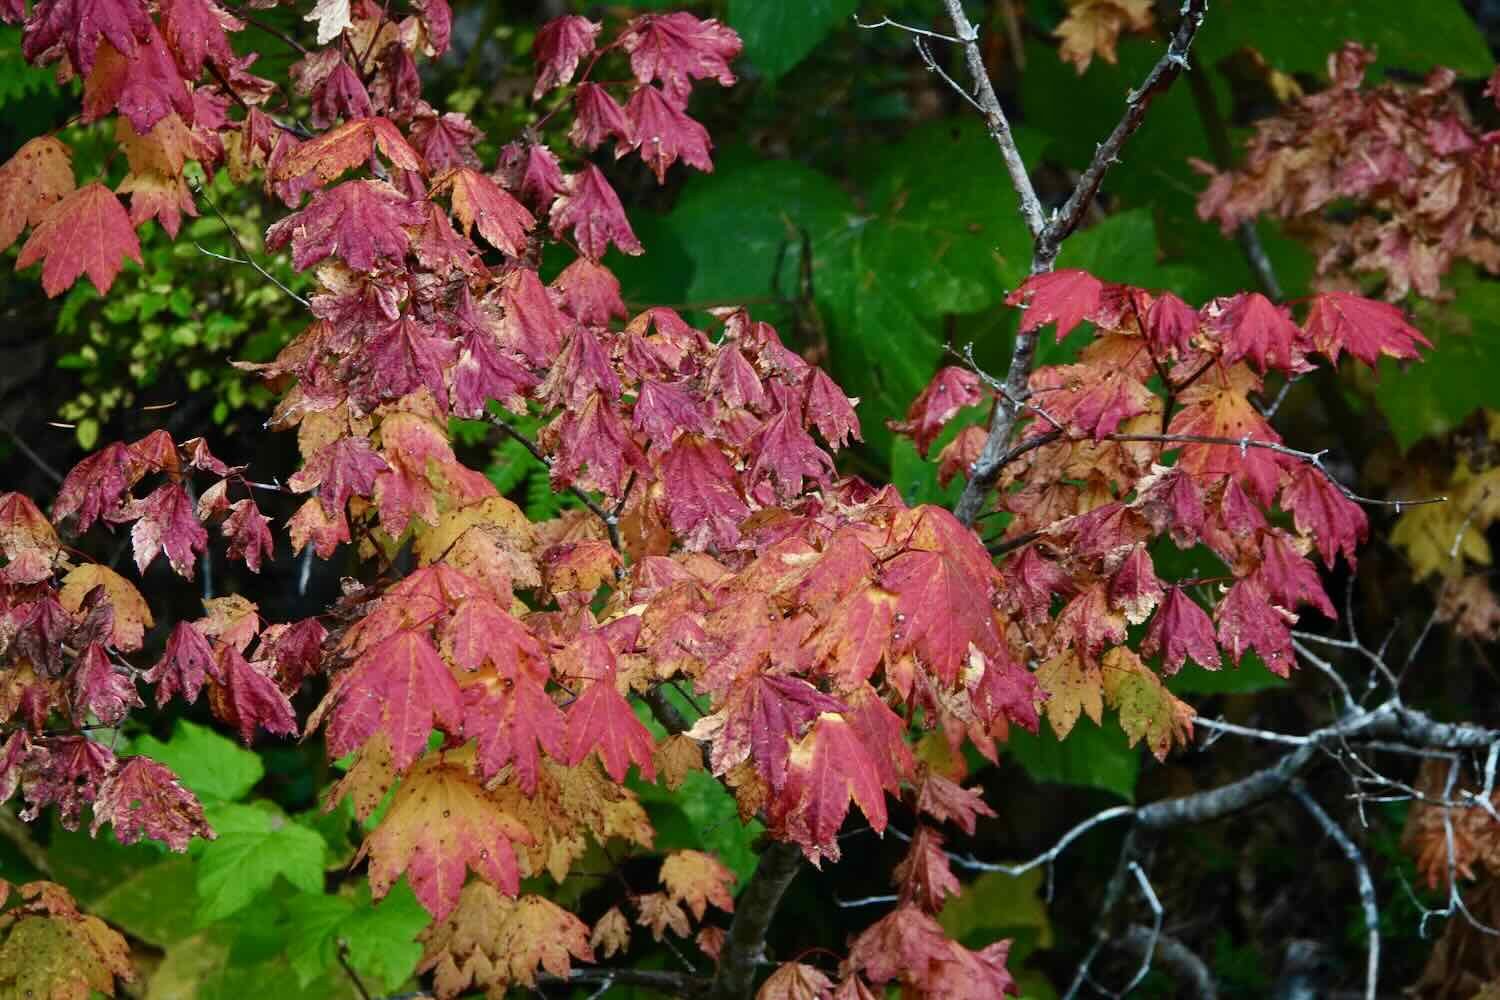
{"type": "Point", "coordinates": [1410, 157]}
{"type": "Point", "coordinates": [1154, 433]}
{"type": "Point", "coordinates": [486, 700]}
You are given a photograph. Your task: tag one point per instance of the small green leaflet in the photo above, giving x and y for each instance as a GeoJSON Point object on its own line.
{"type": "Point", "coordinates": [779, 34]}
{"type": "Point", "coordinates": [381, 937]}
{"type": "Point", "coordinates": [256, 844]}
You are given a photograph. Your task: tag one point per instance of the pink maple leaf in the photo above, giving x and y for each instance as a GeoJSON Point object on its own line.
{"type": "Point", "coordinates": [785, 451]}
{"type": "Point", "coordinates": [1181, 629]}
{"type": "Point", "coordinates": [1248, 620]}
{"type": "Point", "coordinates": [401, 686]}
{"type": "Point", "coordinates": [1289, 577]}
{"type": "Point", "coordinates": [98, 485]}
{"type": "Point", "coordinates": [358, 221]}
{"type": "Point", "coordinates": [597, 117]}
{"type": "Point", "coordinates": [342, 468]}
{"type": "Point", "coordinates": [664, 134]}
{"type": "Point", "coordinates": [589, 292]}
{"type": "Point", "coordinates": [78, 26]}
{"type": "Point", "coordinates": [195, 30]}
{"type": "Point", "coordinates": [182, 666]}
{"type": "Point", "coordinates": [401, 358]}
{"type": "Point", "coordinates": [101, 690]}
{"type": "Point", "coordinates": [531, 170]}
{"type": "Point", "coordinates": [602, 719]}
{"type": "Point", "coordinates": [167, 522]}
{"type": "Point", "coordinates": [482, 373]}
{"type": "Point", "coordinates": [559, 45]}
{"type": "Point", "coordinates": [144, 798]}
{"type": "Point", "coordinates": [590, 207]}
{"type": "Point", "coordinates": [446, 140]}
{"type": "Point", "coordinates": [514, 724]}
{"type": "Point", "coordinates": [1321, 511]}
{"type": "Point", "coordinates": [249, 699]}
{"type": "Point", "coordinates": [249, 534]}
{"type": "Point", "coordinates": [679, 48]}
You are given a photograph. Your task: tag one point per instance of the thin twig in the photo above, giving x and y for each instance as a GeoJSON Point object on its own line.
{"type": "Point", "coordinates": [342, 952]}
{"type": "Point", "coordinates": [611, 521]}
{"type": "Point", "coordinates": [1366, 884]}
{"type": "Point", "coordinates": [886, 22]}
{"type": "Point", "coordinates": [247, 258]}
{"type": "Point", "coordinates": [36, 459]}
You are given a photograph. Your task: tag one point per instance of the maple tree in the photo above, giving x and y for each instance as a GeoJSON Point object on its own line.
{"type": "Point", "coordinates": [500, 696]}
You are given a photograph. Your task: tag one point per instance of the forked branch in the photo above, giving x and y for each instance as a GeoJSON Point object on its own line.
{"type": "Point", "coordinates": [1050, 236]}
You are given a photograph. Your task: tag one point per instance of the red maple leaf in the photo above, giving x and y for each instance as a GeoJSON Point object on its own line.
{"type": "Point", "coordinates": [1094, 399]}
{"type": "Point", "coordinates": [1223, 410]}
{"type": "Point", "coordinates": [597, 117]}
{"type": "Point", "coordinates": [532, 324]}
{"type": "Point", "coordinates": [78, 26]}
{"type": "Point", "coordinates": [679, 48]}
{"type": "Point", "coordinates": [829, 768]}
{"type": "Point", "coordinates": [183, 665]}
{"type": "Point", "coordinates": [589, 292]}
{"type": "Point", "coordinates": [590, 207]}
{"type": "Point", "coordinates": [531, 170]}
{"type": "Point", "coordinates": [1253, 327]}
{"type": "Point", "coordinates": [1322, 512]}
{"type": "Point", "coordinates": [559, 44]}
{"type": "Point", "coordinates": [601, 718]}
{"type": "Point", "coordinates": [1134, 587]}
{"type": "Point", "coordinates": [144, 798]}
{"type": "Point", "coordinates": [479, 202]}
{"type": "Point", "coordinates": [1179, 630]}
{"type": "Point", "coordinates": [144, 87]}
{"type": "Point", "coordinates": [1171, 324]}
{"type": "Point", "coordinates": [402, 357]}
{"type": "Point", "coordinates": [97, 486]}
{"type": "Point", "coordinates": [479, 631]}
{"type": "Point", "coordinates": [340, 469]}
{"type": "Point", "coordinates": [483, 373]}
{"type": "Point", "coordinates": [829, 410]}
{"type": "Point", "coordinates": [924, 876]}
{"type": "Point", "coordinates": [949, 801]}
{"type": "Point", "coordinates": [247, 698]}
{"type": "Point", "coordinates": [249, 534]}
{"type": "Point", "coordinates": [593, 448]}
{"type": "Point", "coordinates": [1364, 327]}
{"type": "Point", "coordinates": [514, 722]}
{"type": "Point", "coordinates": [195, 31]}
{"type": "Point", "coordinates": [732, 378]}
{"type": "Point", "coordinates": [359, 221]}
{"type": "Point", "coordinates": [342, 94]}
{"type": "Point", "coordinates": [69, 776]}
{"type": "Point", "coordinates": [1067, 297]}
{"type": "Point", "coordinates": [785, 452]}
{"type": "Point", "coordinates": [702, 494]}
{"type": "Point", "coordinates": [759, 719]}
{"type": "Point", "coordinates": [167, 522]}
{"type": "Point", "coordinates": [401, 687]}
{"type": "Point", "coordinates": [582, 368]}
{"type": "Point", "coordinates": [1289, 577]}
{"type": "Point", "coordinates": [1031, 582]}
{"type": "Point", "coordinates": [664, 409]}
{"type": "Point", "coordinates": [1248, 620]}
{"type": "Point", "coordinates": [346, 147]}
{"type": "Point", "coordinates": [664, 134]}
{"type": "Point", "coordinates": [87, 232]}
{"type": "Point", "coordinates": [1170, 502]}
{"type": "Point", "coordinates": [445, 140]}
{"type": "Point", "coordinates": [940, 610]}
{"type": "Point", "coordinates": [101, 690]}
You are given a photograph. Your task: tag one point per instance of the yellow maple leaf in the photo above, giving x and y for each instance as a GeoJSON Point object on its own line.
{"type": "Point", "coordinates": [697, 879]}
{"type": "Point", "coordinates": [132, 615]}
{"type": "Point", "coordinates": [492, 941]}
{"type": "Point", "coordinates": [1093, 27]}
{"type": "Point", "coordinates": [1147, 709]}
{"type": "Point", "coordinates": [1072, 687]}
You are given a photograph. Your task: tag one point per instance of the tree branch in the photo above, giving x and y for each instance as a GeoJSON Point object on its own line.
{"type": "Point", "coordinates": [994, 117]}
{"type": "Point", "coordinates": [1049, 237]}
{"type": "Point", "coordinates": [682, 984]}
{"type": "Point", "coordinates": [1366, 885]}
{"type": "Point", "coordinates": [1192, 973]}
{"type": "Point", "coordinates": [745, 945]}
